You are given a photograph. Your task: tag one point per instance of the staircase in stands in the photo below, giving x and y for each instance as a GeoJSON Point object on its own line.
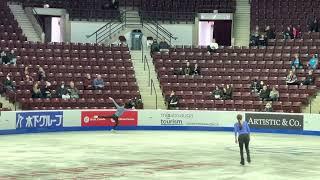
{"type": "Point", "coordinates": [313, 106]}
{"type": "Point", "coordinates": [24, 22]}
{"type": "Point", "coordinates": [242, 23]}
{"type": "Point", "coordinates": [142, 76]}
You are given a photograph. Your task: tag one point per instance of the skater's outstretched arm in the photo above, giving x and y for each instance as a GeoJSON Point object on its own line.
{"type": "Point", "coordinates": [114, 102]}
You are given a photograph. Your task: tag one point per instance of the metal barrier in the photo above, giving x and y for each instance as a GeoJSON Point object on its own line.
{"type": "Point", "coordinates": [153, 88]}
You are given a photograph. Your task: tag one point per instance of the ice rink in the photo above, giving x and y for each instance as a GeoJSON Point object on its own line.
{"type": "Point", "coordinates": [157, 155]}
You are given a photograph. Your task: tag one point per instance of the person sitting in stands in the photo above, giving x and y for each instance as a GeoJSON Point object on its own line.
{"type": "Point", "coordinates": [274, 94]}
{"type": "Point", "coordinates": [73, 91]}
{"type": "Point", "coordinates": [313, 62]}
{"type": "Point", "coordinates": [187, 70]}
{"type": "Point", "coordinates": [98, 83]}
{"type": "Point", "coordinates": [314, 25]}
{"type": "Point", "coordinates": [213, 46]}
{"type": "Point", "coordinates": [4, 57]}
{"type": "Point", "coordinates": [172, 101]}
{"type": "Point", "coordinates": [154, 47]}
{"type": "Point", "coordinates": [28, 78]}
{"type": "Point", "coordinates": [36, 91]}
{"type": "Point", "coordinates": [309, 79]}
{"type": "Point", "coordinates": [268, 107]}
{"type": "Point", "coordinates": [227, 92]}
{"type": "Point", "coordinates": [46, 90]}
{"type": "Point", "coordinates": [264, 93]}
{"type": "Point", "coordinates": [262, 40]}
{"type": "Point", "coordinates": [270, 33]}
{"type": "Point", "coordinates": [296, 63]}
{"type": "Point", "coordinates": [12, 57]}
{"type": "Point", "coordinates": [62, 91]}
{"type": "Point", "coordinates": [195, 70]}
{"type": "Point", "coordinates": [288, 33]}
{"type": "Point", "coordinates": [297, 32]}
{"type": "Point", "coordinates": [164, 46]}
{"type": "Point", "coordinates": [41, 74]}
{"type": "Point", "coordinates": [291, 78]}
{"type": "Point", "coordinates": [26, 71]}
{"type": "Point", "coordinates": [255, 86]}
{"type": "Point", "coordinates": [217, 93]}
{"type": "Point", "coordinates": [87, 82]}
{"type": "Point", "coordinates": [8, 83]}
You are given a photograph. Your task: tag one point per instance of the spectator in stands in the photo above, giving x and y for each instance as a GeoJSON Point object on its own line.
{"type": "Point", "coordinates": [8, 83]}
{"type": "Point", "coordinates": [187, 70]}
{"type": "Point", "coordinates": [4, 57]}
{"type": "Point", "coordinates": [73, 91]}
{"type": "Point", "coordinates": [195, 70]}
{"type": "Point", "coordinates": [115, 4]}
{"type": "Point", "coordinates": [41, 74]}
{"type": "Point", "coordinates": [172, 101]}
{"type": "Point", "coordinates": [98, 83]}
{"type": "Point", "coordinates": [164, 46]}
{"type": "Point", "coordinates": [264, 93]}
{"type": "Point", "coordinates": [87, 82]}
{"type": "Point", "coordinates": [36, 91]}
{"type": "Point", "coordinates": [254, 39]}
{"type": "Point", "coordinates": [213, 46]}
{"type": "Point", "coordinates": [28, 78]}
{"type": "Point", "coordinates": [217, 93]}
{"type": "Point", "coordinates": [314, 25]}
{"type": "Point", "coordinates": [309, 80]}
{"type": "Point", "coordinates": [313, 62]}
{"type": "Point", "coordinates": [291, 78]}
{"type": "Point", "coordinates": [288, 33]}
{"type": "Point", "coordinates": [274, 94]}
{"type": "Point", "coordinates": [12, 57]}
{"type": "Point", "coordinates": [62, 91]}
{"type": "Point", "coordinates": [297, 32]}
{"type": "Point", "coordinates": [255, 86]}
{"type": "Point", "coordinates": [26, 71]}
{"type": "Point", "coordinates": [268, 107]}
{"type": "Point", "coordinates": [296, 63]}
{"type": "Point", "coordinates": [155, 46]}
{"type": "Point", "coordinates": [227, 92]}
{"type": "Point", "coordinates": [262, 41]}
{"type": "Point", "coordinates": [270, 33]}
{"type": "Point", "coordinates": [46, 90]}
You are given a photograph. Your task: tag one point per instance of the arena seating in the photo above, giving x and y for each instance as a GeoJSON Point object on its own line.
{"type": "Point", "coordinates": [78, 9]}
{"type": "Point", "coordinates": [232, 65]}
{"type": "Point", "coordinates": [282, 13]}
{"type": "Point", "coordinates": [9, 28]}
{"type": "Point", "coordinates": [70, 62]}
{"type": "Point", "coordinates": [183, 10]}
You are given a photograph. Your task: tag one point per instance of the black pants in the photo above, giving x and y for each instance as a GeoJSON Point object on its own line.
{"type": "Point", "coordinates": [244, 139]}
{"type": "Point", "coordinates": [114, 117]}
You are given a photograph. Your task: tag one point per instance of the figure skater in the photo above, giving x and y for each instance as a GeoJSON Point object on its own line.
{"type": "Point", "coordinates": [242, 135]}
{"type": "Point", "coordinates": [120, 110]}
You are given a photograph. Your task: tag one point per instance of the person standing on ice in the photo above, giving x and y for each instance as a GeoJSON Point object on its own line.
{"type": "Point", "coordinates": [242, 136]}
{"type": "Point", "coordinates": [119, 112]}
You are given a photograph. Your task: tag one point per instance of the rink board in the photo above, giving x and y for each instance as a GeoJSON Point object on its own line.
{"type": "Point", "coordinates": [12, 122]}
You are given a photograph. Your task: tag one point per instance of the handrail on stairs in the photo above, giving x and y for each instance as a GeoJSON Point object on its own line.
{"type": "Point", "coordinates": [114, 25]}
{"type": "Point", "coordinates": [145, 61]}
{"type": "Point", "coordinates": [153, 88]}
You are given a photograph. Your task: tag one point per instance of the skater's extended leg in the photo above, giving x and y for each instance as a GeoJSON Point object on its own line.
{"type": "Point", "coordinates": [241, 150]}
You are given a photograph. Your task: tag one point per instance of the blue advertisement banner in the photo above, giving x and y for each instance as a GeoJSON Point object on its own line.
{"type": "Point", "coordinates": [42, 119]}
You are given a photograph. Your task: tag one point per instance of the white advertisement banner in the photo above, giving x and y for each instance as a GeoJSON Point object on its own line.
{"type": "Point", "coordinates": [186, 118]}
{"type": "Point", "coordinates": [72, 118]}
{"type": "Point", "coordinates": [7, 120]}
{"type": "Point", "coordinates": [311, 122]}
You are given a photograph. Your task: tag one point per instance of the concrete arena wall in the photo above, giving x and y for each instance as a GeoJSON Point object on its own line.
{"type": "Point", "coordinates": [85, 120]}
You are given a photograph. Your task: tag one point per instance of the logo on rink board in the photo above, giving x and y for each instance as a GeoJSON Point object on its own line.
{"type": "Point", "coordinates": [93, 118]}
{"type": "Point", "coordinates": [45, 119]}
{"type": "Point", "coordinates": [275, 121]}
